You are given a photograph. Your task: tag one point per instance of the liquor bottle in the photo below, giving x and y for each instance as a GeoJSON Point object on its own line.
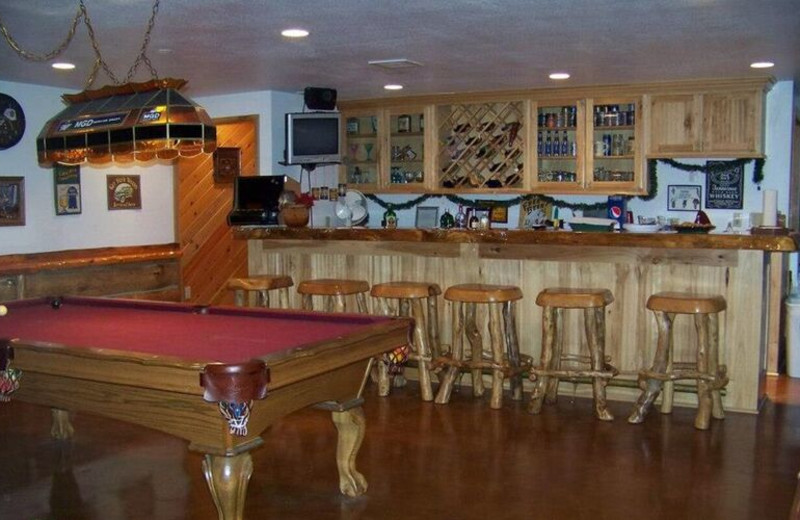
{"type": "Point", "coordinates": [598, 116]}
{"type": "Point", "coordinates": [556, 145]}
{"type": "Point", "coordinates": [565, 145]}
{"type": "Point", "coordinates": [474, 222]}
{"type": "Point", "coordinates": [614, 117]}
{"type": "Point", "coordinates": [540, 145]}
{"type": "Point", "coordinates": [447, 221]}
{"type": "Point", "coordinates": [548, 146]}
{"type": "Point", "coordinates": [461, 217]}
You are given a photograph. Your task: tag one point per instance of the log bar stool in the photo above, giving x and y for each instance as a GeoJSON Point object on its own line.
{"type": "Point", "coordinates": [261, 285]}
{"type": "Point", "coordinates": [500, 300]}
{"type": "Point", "coordinates": [333, 292]}
{"type": "Point", "coordinates": [710, 375]}
{"type": "Point", "coordinates": [404, 299]}
{"type": "Point", "coordinates": [553, 302]}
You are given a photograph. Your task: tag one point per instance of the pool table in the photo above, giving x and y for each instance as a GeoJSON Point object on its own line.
{"type": "Point", "coordinates": [215, 376]}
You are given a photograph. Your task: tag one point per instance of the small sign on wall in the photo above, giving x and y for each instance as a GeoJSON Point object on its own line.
{"type": "Point", "coordinates": [724, 188]}
{"type": "Point", "coordinates": [124, 192]}
{"type": "Point", "coordinates": [67, 189]}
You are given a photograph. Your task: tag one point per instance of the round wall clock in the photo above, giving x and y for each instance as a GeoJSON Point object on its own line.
{"type": "Point", "coordinates": [12, 122]}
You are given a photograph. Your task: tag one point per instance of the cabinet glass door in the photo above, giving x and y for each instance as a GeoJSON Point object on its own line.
{"type": "Point", "coordinates": [362, 151]}
{"type": "Point", "coordinates": [558, 145]}
{"type": "Point", "coordinates": [406, 157]}
{"type": "Point", "coordinates": [614, 150]}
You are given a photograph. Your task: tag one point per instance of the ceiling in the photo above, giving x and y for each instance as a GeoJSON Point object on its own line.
{"type": "Point", "coordinates": [229, 46]}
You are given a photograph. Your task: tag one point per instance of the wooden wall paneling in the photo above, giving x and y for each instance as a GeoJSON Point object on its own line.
{"type": "Point", "coordinates": [11, 288]}
{"type": "Point", "coordinates": [106, 280]}
{"type": "Point", "coordinates": [211, 255]}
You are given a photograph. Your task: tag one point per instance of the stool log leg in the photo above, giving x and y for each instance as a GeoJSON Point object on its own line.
{"type": "Point", "coordinates": [433, 327]}
{"type": "Point", "coordinates": [476, 344]}
{"type": "Point", "coordinates": [283, 298]}
{"type": "Point", "coordinates": [227, 478]}
{"type": "Point", "coordinates": [307, 302]}
{"type": "Point", "coordinates": [545, 360]}
{"type": "Point", "coordinates": [457, 351]}
{"type": "Point", "coordinates": [551, 391]}
{"type": "Point", "coordinates": [496, 339]}
{"type": "Point", "coordinates": [422, 349]}
{"type": "Point", "coordinates": [239, 298]}
{"type": "Point", "coordinates": [703, 417]}
{"type": "Point", "coordinates": [651, 387]}
{"type": "Point", "coordinates": [717, 412]}
{"type": "Point", "coordinates": [668, 392]}
{"type": "Point", "coordinates": [361, 303]}
{"type": "Point", "coordinates": [61, 428]}
{"type": "Point", "coordinates": [512, 348]}
{"type": "Point", "coordinates": [382, 367]}
{"type": "Point", "coordinates": [350, 425]}
{"type": "Point", "coordinates": [595, 337]}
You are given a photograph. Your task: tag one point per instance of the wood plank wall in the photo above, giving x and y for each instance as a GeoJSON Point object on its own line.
{"type": "Point", "coordinates": [210, 255]}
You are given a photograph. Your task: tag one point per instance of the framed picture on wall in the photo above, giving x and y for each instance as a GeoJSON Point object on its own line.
{"type": "Point", "coordinates": [227, 164]}
{"type": "Point", "coordinates": [497, 213]}
{"type": "Point", "coordinates": [67, 189]}
{"type": "Point", "coordinates": [124, 192]}
{"type": "Point", "coordinates": [12, 201]}
{"type": "Point", "coordinates": [427, 217]}
{"type": "Point", "coordinates": [681, 197]}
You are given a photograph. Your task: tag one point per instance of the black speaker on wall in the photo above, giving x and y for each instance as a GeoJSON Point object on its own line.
{"type": "Point", "coordinates": [320, 98]}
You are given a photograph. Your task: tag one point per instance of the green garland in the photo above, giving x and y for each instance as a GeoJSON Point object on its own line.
{"type": "Point", "coordinates": [652, 174]}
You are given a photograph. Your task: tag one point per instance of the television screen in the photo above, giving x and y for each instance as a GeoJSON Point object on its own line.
{"type": "Point", "coordinates": [313, 138]}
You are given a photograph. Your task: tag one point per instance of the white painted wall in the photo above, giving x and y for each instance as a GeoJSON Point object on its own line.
{"type": "Point", "coordinates": [96, 226]}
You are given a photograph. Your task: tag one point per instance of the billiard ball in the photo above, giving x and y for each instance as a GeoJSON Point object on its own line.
{"type": "Point", "coordinates": [56, 303]}
{"type": "Point", "coordinates": [3, 310]}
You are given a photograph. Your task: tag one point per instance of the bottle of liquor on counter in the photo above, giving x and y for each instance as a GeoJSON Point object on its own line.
{"type": "Point", "coordinates": [565, 145]}
{"type": "Point", "coordinates": [447, 221]}
{"type": "Point", "coordinates": [474, 222]}
{"type": "Point", "coordinates": [461, 218]}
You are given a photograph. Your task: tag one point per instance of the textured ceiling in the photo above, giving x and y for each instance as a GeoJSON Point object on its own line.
{"type": "Point", "coordinates": [227, 46]}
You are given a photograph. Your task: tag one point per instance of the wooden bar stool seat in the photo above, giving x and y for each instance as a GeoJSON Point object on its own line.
{"type": "Point", "coordinates": [412, 299]}
{"type": "Point", "coordinates": [333, 292]}
{"type": "Point", "coordinates": [710, 375]}
{"type": "Point", "coordinates": [261, 285]}
{"type": "Point", "coordinates": [504, 360]}
{"type": "Point", "coordinates": [546, 376]}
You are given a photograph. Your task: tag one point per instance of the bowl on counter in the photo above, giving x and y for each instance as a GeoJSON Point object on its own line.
{"type": "Point", "coordinates": [692, 228]}
{"type": "Point", "coordinates": [642, 228]}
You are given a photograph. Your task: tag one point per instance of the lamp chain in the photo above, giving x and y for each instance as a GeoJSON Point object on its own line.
{"type": "Point", "coordinates": [99, 61]}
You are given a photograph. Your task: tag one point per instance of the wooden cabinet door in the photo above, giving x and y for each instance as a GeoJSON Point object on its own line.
{"type": "Point", "coordinates": [675, 124]}
{"type": "Point", "coordinates": [732, 123]}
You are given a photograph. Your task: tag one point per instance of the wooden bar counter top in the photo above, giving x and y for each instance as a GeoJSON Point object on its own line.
{"type": "Point", "coordinates": [748, 270]}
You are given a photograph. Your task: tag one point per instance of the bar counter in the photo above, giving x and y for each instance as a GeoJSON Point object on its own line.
{"type": "Point", "coordinates": [748, 270]}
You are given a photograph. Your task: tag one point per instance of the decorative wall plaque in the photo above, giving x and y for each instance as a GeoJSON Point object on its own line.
{"type": "Point", "coordinates": [725, 188]}
{"type": "Point", "coordinates": [124, 192]}
{"type": "Point", "coordinates": [67, 189]}
{"type": "Point", "coordinates": [227, 164]}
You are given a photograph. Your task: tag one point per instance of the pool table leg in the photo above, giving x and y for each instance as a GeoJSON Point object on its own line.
{"type": "Point", "coordinates": [350, 425]}
{"type": "Point", "coordinates": [227, 478]}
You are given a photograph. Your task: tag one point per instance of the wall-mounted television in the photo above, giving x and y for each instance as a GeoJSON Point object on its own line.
{"type": "Point", "coordinates": [313, 138]}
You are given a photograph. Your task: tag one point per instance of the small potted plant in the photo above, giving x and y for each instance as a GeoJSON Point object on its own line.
{"type": "Point", "coordinates": [298, 212]}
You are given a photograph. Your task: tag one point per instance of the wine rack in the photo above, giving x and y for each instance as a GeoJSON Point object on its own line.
{"type": "Point", "coordinates": [481, 146]}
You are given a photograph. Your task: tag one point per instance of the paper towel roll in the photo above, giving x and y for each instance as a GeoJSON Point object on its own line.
{"type": "Point", "coordinates": [770, 211]}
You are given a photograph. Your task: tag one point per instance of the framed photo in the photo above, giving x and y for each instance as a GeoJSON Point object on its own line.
{"type": "Point", "coordinates": [497, 213]}
{"type": "Point", "coordinates": [725, 189]}
{"type": "Point", "coordinates": [682, 197]}
{"type": "Point", "coordinates": [124, 192]}
{"type": "Point", "coordinates": [67, 189]}
{"type": "Point", "coordinates": [12, 201]}
{"type": "Point", "coordinates": [534, 213]}
{"type": "Point", "coordinates": [427, 217]}
{"type": "Point", "coordinates": [227, 164]}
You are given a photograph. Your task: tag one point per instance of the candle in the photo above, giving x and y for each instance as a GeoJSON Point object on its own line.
{"type": "Point", "coordinates": [769, 216]}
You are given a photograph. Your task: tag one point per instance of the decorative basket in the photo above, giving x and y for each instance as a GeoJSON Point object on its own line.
{"type": "Point", "coordinates": [295, 215]}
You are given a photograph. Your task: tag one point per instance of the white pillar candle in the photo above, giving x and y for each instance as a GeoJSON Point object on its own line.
{"type": "Point", "coordinates": [770, 212]}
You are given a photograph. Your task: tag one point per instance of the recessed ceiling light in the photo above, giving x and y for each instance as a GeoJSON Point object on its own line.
{"type": "Point", "coordinates": [393, 87]}
{"type": "Point", "coordinates": [762, 64]}
{"type": "Point", "coordinates": [294, 33]}
{"type": "Point", "coordinates": [63, 66]}
{"type": "Point", "coordinates": [559, 75]}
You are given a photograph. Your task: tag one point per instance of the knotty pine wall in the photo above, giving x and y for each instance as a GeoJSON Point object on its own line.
{"type": "Point", "coordinates": [209, 254]}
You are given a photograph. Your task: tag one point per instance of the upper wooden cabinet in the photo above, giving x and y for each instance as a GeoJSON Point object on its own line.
{"type": "Point", "coordinates": [728, 123]}
{"type": "Point", "coordinates": [489, 142]}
